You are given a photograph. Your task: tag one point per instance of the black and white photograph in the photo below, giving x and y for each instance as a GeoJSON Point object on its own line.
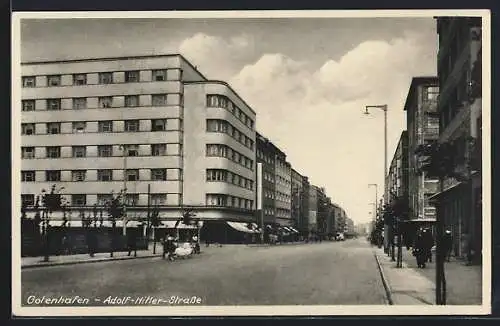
{"type": "Point", "coordinates": [251, 163]}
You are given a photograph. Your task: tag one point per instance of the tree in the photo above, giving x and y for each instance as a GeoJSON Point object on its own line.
{"type": "Point", "coordinates": [51, 201]}
{"type": "Point", "coordinates": [438, 160]}
{"type": "Point", "coordinates": [115, 210]}
{"type": "Point", "coordinates": [400, 208]}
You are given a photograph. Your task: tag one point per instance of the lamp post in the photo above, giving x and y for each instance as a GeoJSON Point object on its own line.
{"type": "Point", "coordinates": [124, 150]}
{"type": "Point", "coordinates": [383, 107]}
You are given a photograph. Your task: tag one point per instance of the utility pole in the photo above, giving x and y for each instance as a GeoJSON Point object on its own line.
{"type": "Point", "coordinates": [148, 214]}
{"type": "Point", "coordinates": [440, 276]}
{"type": "Point", "coordinates": [124, 190]}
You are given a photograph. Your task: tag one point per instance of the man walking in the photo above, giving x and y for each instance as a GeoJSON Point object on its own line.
{"type": "Point", "coordinates": [447, 244]}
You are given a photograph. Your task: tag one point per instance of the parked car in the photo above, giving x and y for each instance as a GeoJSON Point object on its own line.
{"type": "Point", "coordinates": [340, 236]}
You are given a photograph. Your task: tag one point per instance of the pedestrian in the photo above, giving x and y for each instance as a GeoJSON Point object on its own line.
{"type": "Point", "coordinates": [163, 241]}
{"type": "Point", "coordinates": [65, 245]}
{"type": "Point", "coordinates": [131, 243]}
{"type": "Point", "coordinates": [428, 244]}
{"type": "Point", "coordinates": [196, 245]}
{"type": "Point", "coordinates": [419, 249]}
{"type": "Point", "coordinates": [468, 248]}
{"type": "Point", "coordinates": [447, 244]}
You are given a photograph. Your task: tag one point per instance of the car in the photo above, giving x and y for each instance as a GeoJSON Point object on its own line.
{"type": "Point", "coordinates": [340, 236]}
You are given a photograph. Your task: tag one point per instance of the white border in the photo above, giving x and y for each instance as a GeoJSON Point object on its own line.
{"type": "Point", "coordinates": [299, 310]}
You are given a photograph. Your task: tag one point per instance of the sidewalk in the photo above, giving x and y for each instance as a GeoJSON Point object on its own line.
{"type": "Point", "coordinates": [405, 286]}
{"type": "Point", "coordinates": [411, 285]}
{"type": "Point", "coordinates": [30, 262]}
{"type": "Point", "coordinates": [463, 283]}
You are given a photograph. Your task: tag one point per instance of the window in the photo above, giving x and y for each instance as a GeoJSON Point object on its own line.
{"type": "Point", "coordinates": [53, 151]}
{"type": "Point", "coordinates": [27, 129]}
{"type": "Point", "coordinates": [54, 80]}
{"type": "Point", "coordinates": [131, 125]}
{"type": "Point", "coordinates": [28, 105]}
{"type": "Point", "coordinates": [159, 75]}
{"type": "Point", "coordinates": [53, 104]}
{"type": "Point", "coordinates": [53, 175]}
{"type": "Point", "coordinates": [131, 101]}
{"type": "Point", "coordinates": [131, 76]}
{"type": "Point", "coordinates": [104, 150]}
{"type": "Point", "coordinates": [158, 125]}
{"type": "Point", "coordinates": [78, 200]}
{"type": "Point", "coordinates": [27, 200]}
{"type": "Point", "coordinates": [132, 150]}
{"type": "Point", "coordinates": [216, 200]}
{"type": "Point", "coordinates": [158, 199]}
{"type": "Point", "coordinates": [105, 126]}
{"type": "Point", "coordinates": [132, 175]}
{"type": "Point", "coordinates": [79, 151]}
{"type": "Point", "coordinates": [158, 149]}
{"type": "Point", "coordinates": [29, 81]}
{"type": "Point", "coordinates": [53, 128]}
{"type": "Point", "coordinates": [105, 102]}
{"type": "Point", "coordinates": [27, 176]}
{"type": "Point", "coordinates": [79, 79]}
{"type": "Point", "coordinates": [159, 99]}
{"type": "Point", "coordinates": [79, 103]}
{"type": "Point", "coordinates": [79, 126]}
{"type": "Point", "coordinates": [103, 199]}
{"type": "Point", "coordinates": [78, 175]}
{"type": "Point", "coordinates": [27, 152]}
{"type": "Point", "coordinates": [105, 78]}
{"type": "Point", "coordinates": [158, 174]}
{"type": "Point", "coordinates": [105, 175]}
{"type": "Point", "coordinates": [132, 199]}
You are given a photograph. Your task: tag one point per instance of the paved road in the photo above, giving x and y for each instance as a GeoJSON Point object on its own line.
{"type": "Point", "coordinates": [328, 273]}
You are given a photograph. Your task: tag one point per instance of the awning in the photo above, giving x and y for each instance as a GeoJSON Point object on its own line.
{"type": "Point", "coordinates": [294, 230]}
{"type": "Point", "coordinates": [242, 227]}
{"type": "Point", "coordinates": [445, 191]}
{"type": "Point", "coordinates": [79, 224]}
{"type": "Point", "coordinates": [420, 220]}
{"type": "Point", "coordinates": [171, 225]}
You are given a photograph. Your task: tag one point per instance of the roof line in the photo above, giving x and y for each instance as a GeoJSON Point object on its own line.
{"type": "Point", "coordinates": [225, 84]}
{"type": "Point", "coordinates": [131, 57]}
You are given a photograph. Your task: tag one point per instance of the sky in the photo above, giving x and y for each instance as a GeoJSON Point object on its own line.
{"type": "Point", "coordinates": [308, 79]}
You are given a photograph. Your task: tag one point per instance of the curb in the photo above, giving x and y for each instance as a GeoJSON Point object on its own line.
{"type": "Point", "coordinates": [76, 262]}
{"type": "Point", "coordinates": [384, 280]}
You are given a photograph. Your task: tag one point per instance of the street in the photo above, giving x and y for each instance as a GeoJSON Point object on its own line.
{"type": "Point", "coordinates": [328, 273]}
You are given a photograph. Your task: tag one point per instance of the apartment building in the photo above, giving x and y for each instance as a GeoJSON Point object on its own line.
{"type": "Point", "coordinates": [300, 198]}
{"type": "Point", "coordinates": [99, 126]}
{"type": "Point", "coordinates": [422, 127]}
{"type": "Point", "coordinates": [460, 117]}
{"type": "Point", "coordinates": [283, 192]}
{"type": "Point", "coordinates": [266, 154]}
{"type": "Point", "coordinates": [398, 169]}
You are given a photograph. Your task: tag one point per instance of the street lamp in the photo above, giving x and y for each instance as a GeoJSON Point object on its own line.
{"type": "Point", "coordinates": [376, 195]}
{"type": "Point", "coordinates": [382, 107]}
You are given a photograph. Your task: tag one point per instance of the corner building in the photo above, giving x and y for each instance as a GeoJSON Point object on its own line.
{"type": "Point", "coordinates": [100, 125]}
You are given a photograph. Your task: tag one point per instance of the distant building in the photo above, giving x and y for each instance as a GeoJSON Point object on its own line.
{"type": "Point", "coordinates": [283, 189]}
{"type": "Point", "coordinates": [266, 153]}
{"type": "Point", "coordinates": [300, 201]}
{"type": "Point", "coordinates": [398, 170]}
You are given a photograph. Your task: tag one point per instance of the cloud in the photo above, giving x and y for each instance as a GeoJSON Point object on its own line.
{"type": "Point", "coordinates": [314, 113]}
{"type": "Point", "coordinates": [217, 57]}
